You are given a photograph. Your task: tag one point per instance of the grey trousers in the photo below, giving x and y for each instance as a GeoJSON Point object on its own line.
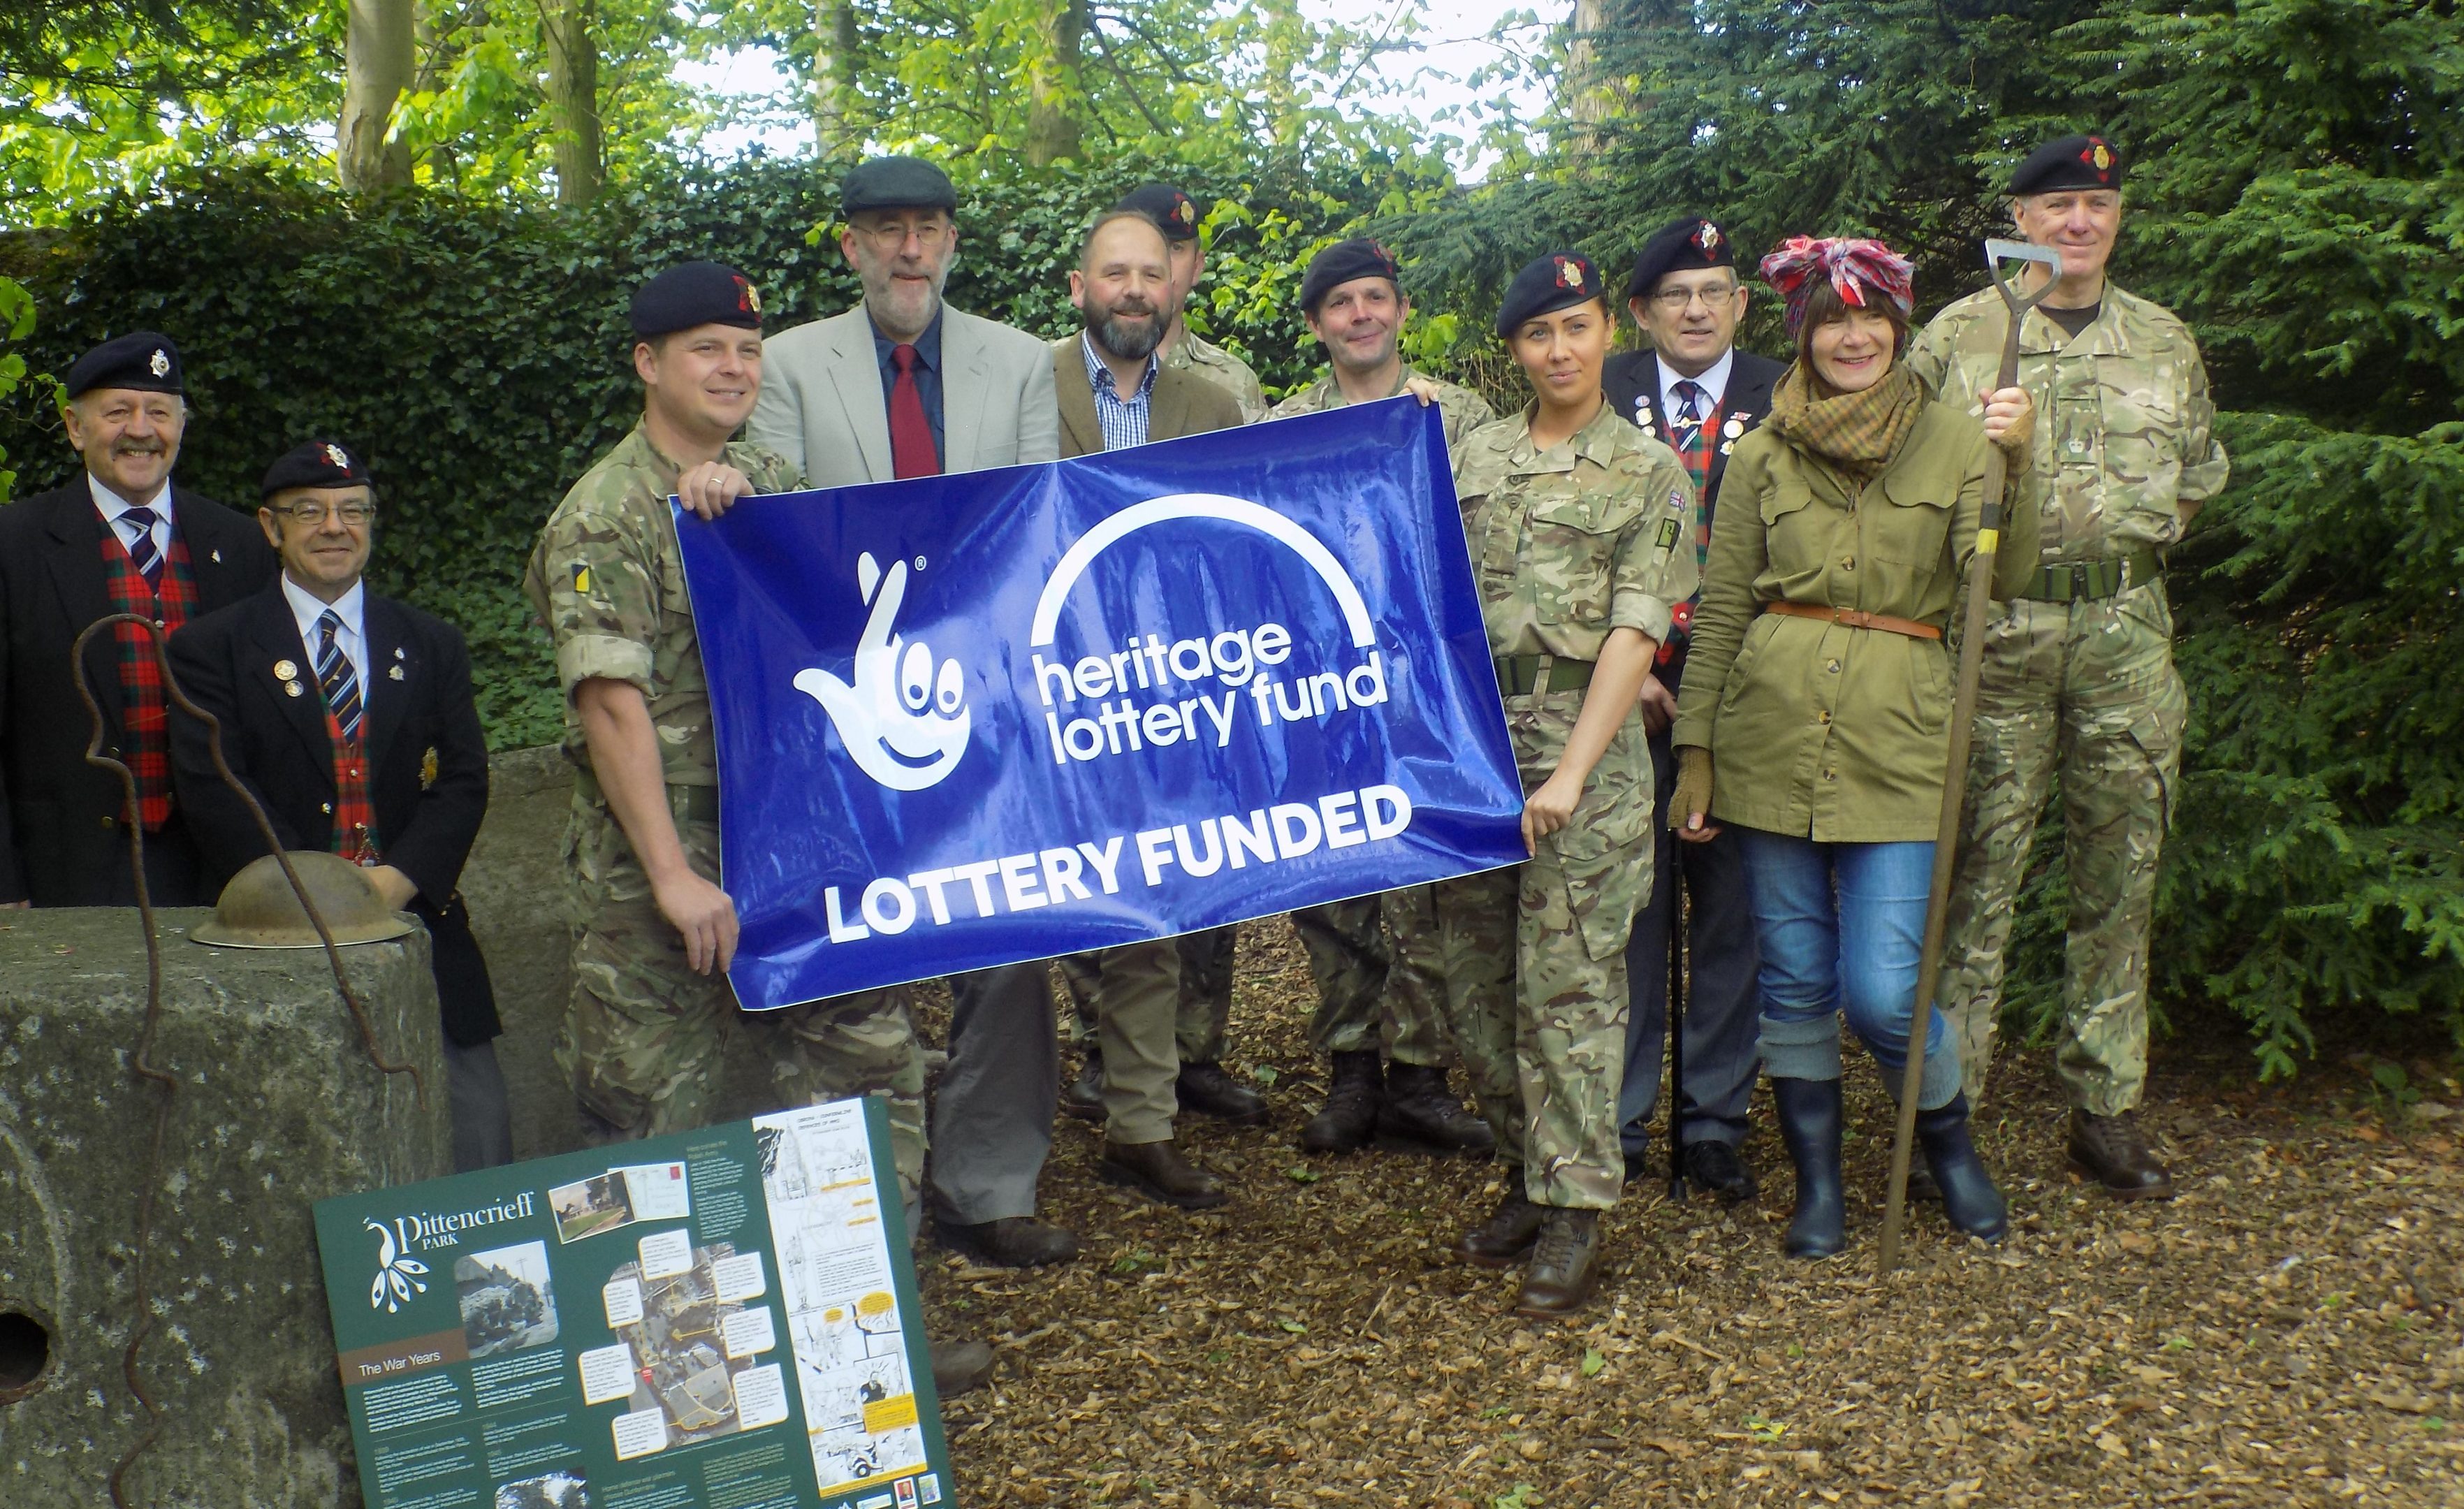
{"type": "Point", "coordinates": [992, 1122]}
{"type": "Point", "coordinates": [1721, 1005]}
{"type": "Point", "coordinates": [483, 1117]}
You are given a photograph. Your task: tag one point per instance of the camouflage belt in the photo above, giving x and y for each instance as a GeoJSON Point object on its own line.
{"type": "Point", "coordinates": [2088, 581]}
{"type": "Point", "coordinates": [1519, 675]}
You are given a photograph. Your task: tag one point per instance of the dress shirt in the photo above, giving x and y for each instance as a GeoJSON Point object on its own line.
{"type": "Point", "coordinates": [351, 607]}
{"type": "Point", "coordinates": [1124, 420]}
{"type": "Point", "coordinates": [112, 507]}
{"type": "Point", "coordinates": [1714, 382]}
{"type": "Point", "coordinates": [928, 375]}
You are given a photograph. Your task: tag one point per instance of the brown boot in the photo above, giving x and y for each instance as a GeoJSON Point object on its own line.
{"type": "Point", "coordinates": [958, 1365]}
{"type": "Point", "coordinates": [1505, 1237]}
{"type": "Point", "coordinates": [1421, 1114]}
{"type": "Point", "coordinates": [1206, 1089]}
{"type": "Point", "coordinates": [1158, 1170]}
{"type": "Point", "coordinates": [2109, 1149]}
{"type": "Point", "coordinates": [1083, 1097]}
{"type": "Point", "coordinates": [1564, 1264]}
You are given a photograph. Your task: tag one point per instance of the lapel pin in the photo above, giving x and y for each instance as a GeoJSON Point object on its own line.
{"type": "Point", "coordinates": [1727, 446]}
{"type": "Point", "coordinates": [1734, 428]}
{"type": "Point", "coordinates": [285, 670]}
{"type": "Point", "coordinates": [394, 673]}
{"type": "Point", "coordinates": [292, 686]}
{"type": "Point", "coordinates": [217, 557]}
{"type": "Point", "coordinates": [397, 652]}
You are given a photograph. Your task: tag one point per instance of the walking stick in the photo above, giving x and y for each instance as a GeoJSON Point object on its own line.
{"type": "Point", "coordinates": [1963, 714]}
{"type": "Point", "coordinates": [1676, 877]}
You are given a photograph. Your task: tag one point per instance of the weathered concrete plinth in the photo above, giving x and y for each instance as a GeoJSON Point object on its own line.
{"type": "Point", "coordinates": [279, 1106]}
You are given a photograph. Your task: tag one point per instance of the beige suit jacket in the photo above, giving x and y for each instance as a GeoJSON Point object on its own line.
{"type": "Point", "coordinates": [822, 406]}
{"type": "Point", "coordinates": [1182, 403]}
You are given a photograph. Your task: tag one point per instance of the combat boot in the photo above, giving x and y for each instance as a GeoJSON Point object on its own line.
{"type": "Point", "coordinates": [1083, 1097]}
{"type": "Point", "coordinates": [1351, 1113]}
{"type": "Point", "coordinates": [1505, 1237]}
{"type": "Point", "coordinates": [1564, 1264]}
{"type": "Point", "coordinates": [1969, 1198]}
{"type": "Point", "coordinates": [1206, 1089]}
{"type": "Point", "coordinates": [1421, 1114]}
{"type": "Point", "coordinates": [2110, 1151]}
{"type": "Point", "coordinates": [1808, 1127]}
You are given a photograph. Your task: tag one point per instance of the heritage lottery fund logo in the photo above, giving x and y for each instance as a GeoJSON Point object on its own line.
{"type": "Point", "coordinates": [400, 1274]}
{"type": "Point", "coordinates": [902, 718]}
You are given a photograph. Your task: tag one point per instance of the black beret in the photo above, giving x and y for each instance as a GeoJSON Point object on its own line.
{"type": "Point", "coordinates": [695, 293]}
{"type": "Point", "coordinates": [1680, 246]}
{"type": "Point", "coordinates": [1167, 207]}
{"type": "Point", "coordinates": [895, 183]}
{"type": "Point", "coordinates": [317, 464]}
{"type": "Point", "coordinates": [1342, 262]}
{"type": "Point", "coordinates": [1546, 285]}
{"type": "Point", "coordinates": [143, 360]}
{"type": "Point", "coordinates": [2075, 162]}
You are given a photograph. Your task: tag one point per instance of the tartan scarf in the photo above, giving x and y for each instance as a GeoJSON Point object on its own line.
{"type": "Point", "coordinates": [146, 708]}
{"type": "Point", "coordinates": [1694, 452]}
{"type": "Point", "coordinates": [354, 834]}
{"type": "Point", "coordinates": [1861, 433]}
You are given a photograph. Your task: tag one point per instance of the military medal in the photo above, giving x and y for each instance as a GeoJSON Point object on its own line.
{"type": "Point", "coordinates": [393, 673]}
{"type": "Point", "coordinates": [292, 686]}
{"type": "Point", "coordinates": [285, 670]}
{"type": "Point", "coordinates": [1734, 428]}
{"type": "Point", "coordinates": [397, 652]}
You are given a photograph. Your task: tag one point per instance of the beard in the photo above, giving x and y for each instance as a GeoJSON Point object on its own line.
{"type": "Point", "coordinates": [1129, 342]}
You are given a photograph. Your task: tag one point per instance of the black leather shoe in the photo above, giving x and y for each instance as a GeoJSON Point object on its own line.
{"type": "Point", "coordinates": [1014, 1242]}
{"type": "Point", "coordinates": [1206, 1089]}
{"type": "Point", "coordinates": [1714, 1168]}
{"type": "Point", "coordinates": [1968, 1199]}
{"type": "Point", "coordinates": [1420, 1114]}
{"type": "Point", "coordinates": [1809, 1126]}
{"type": "Point", "coordinates": [1084, 1096]}
{"type": "Point", "coordinates": [2110, 1151]}
{"type": "Point", "coordinates": [1565, 1265]}
{"type": "Point", "coordinates": [1159, 1171]}
{"type": "Point", "coordinates": [1505, 1237]}
{"type": "Point", "coordinates": [1349, 1119]}
{"type": "Point", "coordinates": [957, 1365]}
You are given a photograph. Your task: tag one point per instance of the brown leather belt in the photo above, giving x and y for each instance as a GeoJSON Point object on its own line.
{"type": "Point", "coordinates": [1854, 617]}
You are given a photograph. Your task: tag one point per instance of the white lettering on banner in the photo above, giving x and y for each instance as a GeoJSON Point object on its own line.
{"type": "Point", "coordinates": [1058, 877]}
{"type": "Point", "coordinates": [1122, 727]}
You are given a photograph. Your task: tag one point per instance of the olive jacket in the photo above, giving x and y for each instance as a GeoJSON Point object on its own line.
{"type": "Point", "coordinates": [1817, 729]}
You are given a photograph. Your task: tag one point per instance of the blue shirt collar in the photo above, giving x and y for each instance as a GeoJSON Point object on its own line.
{"type": "Point", "coordinates": [928, 345]}
{"type": "Point", "coordinates": [1099, 377]}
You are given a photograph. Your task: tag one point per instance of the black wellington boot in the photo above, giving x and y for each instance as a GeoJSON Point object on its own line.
{"type": "Point", "coordinates": [1809, 1126]}
{"type": "Point", "coordinates": [1969, 1198]}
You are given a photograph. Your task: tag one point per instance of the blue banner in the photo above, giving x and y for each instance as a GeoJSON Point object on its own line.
{"type": "Point", "coordinates": [972, 720]}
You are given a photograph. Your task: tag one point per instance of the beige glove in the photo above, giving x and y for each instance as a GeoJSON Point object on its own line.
{"type": "Point", "coordinates": [1693, 793]}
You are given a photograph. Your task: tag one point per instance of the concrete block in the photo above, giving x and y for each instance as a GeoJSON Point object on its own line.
{"type": "Point", "coordinates": [279, 1106]}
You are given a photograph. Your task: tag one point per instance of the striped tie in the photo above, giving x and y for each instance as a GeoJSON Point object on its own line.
{"type": "Point", "coordinates": [334, 673]}
{"type": "Point", "coordinates": [141, 551]}
{"type": "Point", "coordinates": [1686, 415]}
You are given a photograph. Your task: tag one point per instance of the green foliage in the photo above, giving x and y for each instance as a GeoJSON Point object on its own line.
{"type": "Point", "coordinates": [476, 353]}
{"type": "Point", "coordinates": [16, 322]}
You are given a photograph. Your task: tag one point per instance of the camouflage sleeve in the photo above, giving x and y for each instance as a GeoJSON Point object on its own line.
{"type": "Point", "coordinates": [2204, 466]}
{"type": "Point", "coordinates": [599, 579]}
{"type": "Point", "coordinates": [1654, 568]}
{"type": "Point", "coordinates": [1464, 412]}
{"type": "Point", "coordinates": [1251, 397]}
{"type": "Point", "coordinates": [1929, 352]}
{"type": "Point", "coordinates": [1740, 553]}
{"type": "Point", "coordinates": [768, 471]}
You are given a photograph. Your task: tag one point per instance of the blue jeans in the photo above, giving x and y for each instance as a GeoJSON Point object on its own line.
{"type": "Point", "coordinates": [1842, 927]}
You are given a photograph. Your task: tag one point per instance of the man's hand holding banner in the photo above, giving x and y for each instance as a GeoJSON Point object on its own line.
{"type": "Point", "coordinates": [969, 720]}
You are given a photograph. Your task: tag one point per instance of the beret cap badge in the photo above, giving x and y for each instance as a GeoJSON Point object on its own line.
{"type": "Point", "coordinates": [158, 363]}
{"type": "Point", "coordinates": [1570, 273]}
{"type": "Point", "coordinates": [1708, 238]}
{"type": "Point", "coordinates": [334, 454]}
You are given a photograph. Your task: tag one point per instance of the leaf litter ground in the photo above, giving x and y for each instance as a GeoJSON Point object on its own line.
{"type": "Point", "coordinates": [2289, 1330]}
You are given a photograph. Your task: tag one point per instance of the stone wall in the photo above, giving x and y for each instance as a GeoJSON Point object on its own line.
{"type": "Point", "coordinates": [279, 1106]}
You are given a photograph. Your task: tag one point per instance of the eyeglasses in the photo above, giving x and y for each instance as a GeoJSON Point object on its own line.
{"type": "Point", "coordinates": [890, 235]}
{"type": "Point", "coordinates": [352, 515]}
{"type": "Point", "coordinates": [1673, 299]}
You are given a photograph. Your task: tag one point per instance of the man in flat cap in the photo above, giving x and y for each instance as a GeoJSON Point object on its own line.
{"type": "Point", "coordinates": [1692, 389]}
{"type": "Point", "coordinates": [1185, 350]}
{"type": "Point", "coordinates": [121, 538]}
{"type": "Point", "coordinates": [2079, 669]}
{"type": "Point", "coordinates": [903, 385]}
{"type": "Point", "coordinates": [651, 1010]}
{"type": "Point", "coordinates": [349, 717]}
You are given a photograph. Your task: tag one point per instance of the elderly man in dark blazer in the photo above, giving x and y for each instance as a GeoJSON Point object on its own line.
{"type": "Point", "coordinates": [349, 717]}
{"type": "Point", "coordinates": [123, 537]}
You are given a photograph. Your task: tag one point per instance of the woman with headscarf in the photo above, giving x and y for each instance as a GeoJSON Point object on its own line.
{"type": "Point", "coordinates": [1815, 713]}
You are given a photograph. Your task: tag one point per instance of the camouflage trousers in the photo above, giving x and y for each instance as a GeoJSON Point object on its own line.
{"type": "Point", "coordinates": [1534, 966]}
{"type": "Point", "coordinates": [1375, 960]}
{"type": "Point", "coordinates": [2085, 691]}
{"type": "Point", "coordinates": [644, 1036]}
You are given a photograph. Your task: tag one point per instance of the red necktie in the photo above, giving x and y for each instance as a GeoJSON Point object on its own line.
{"type": "Point", "coordinates": [911, 451]}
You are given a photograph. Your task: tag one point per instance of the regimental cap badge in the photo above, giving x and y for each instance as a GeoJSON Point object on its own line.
{"type": "Point", "coordinates": [1708, 236]}
{"type": "Point", "coordinates": [1185, 209]}
{"type": "Point", "coordinates": [2098, 154]}
{"type": "Point", "coordinates": [1570, 273]}
{"type": "Point", "coordinates": [160, 363]}
{"type": "Point", "coordinates": [748, 298]}
{"type": "Point", "coordinates": [334, 454]}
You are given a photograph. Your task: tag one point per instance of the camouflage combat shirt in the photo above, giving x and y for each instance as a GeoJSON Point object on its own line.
{"type": "Point", "coordinates": [607, 579]}
{"type": "Point", "coordinates": [2124, 427]}
{"type": "Point", "coordinates": [1459, 408]}
{"type": "Point", "coordinates": [1593, 534]}
{"type": "Point", "coordinates": [1194, 354]}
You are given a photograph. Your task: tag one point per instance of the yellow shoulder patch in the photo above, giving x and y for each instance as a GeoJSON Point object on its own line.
{"type": "Point", "coordinates": [581, 578]}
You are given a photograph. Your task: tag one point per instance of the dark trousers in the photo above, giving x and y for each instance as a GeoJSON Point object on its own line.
{"type": "Point", "coordinates": [173, 875]}
{"type": "Point", "coordinates": [992, 1121]}
{"type": "Point", "coordinates": [1720, 1000]}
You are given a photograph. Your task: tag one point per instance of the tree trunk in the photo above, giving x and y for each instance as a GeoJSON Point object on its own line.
{"type": "Point", "coordinates": [1591, 97]}
{"type": "Point", "coordinates": [376, 62]}
{"type": "Point", "coordinates": [573, 99]}
{"type": "Point", "coordinates": [1053, 87]}
{"type": "Point", "coordinates": [836, 131]}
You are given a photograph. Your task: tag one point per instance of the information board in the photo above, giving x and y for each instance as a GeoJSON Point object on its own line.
{"type": "Point", "coordinates": [724, 1319]}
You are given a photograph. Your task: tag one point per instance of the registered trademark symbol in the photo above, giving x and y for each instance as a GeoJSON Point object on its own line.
{"type": "Point", "coordinates": [920, 562]}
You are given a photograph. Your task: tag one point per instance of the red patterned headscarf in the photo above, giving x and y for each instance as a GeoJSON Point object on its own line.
{"type": "Point", "coordinates": [1856, 267]}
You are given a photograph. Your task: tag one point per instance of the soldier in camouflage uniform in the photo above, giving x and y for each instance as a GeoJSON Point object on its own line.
{"type": "Point", "coordinates": [1582, 530]}
{"type": "Point", "coordinates": [2079, 675]}
{"type": "Point", "coordinates": [1183, 349]}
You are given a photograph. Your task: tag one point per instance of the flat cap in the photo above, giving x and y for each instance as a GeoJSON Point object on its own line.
{"type": "Point", "coordinates": [1342, 262]}
{"type": "Point", "coordinates": [317, 464]}
{"type": "Point", "coordinates": [1175, 211]}
{"type": "Point", "coordinates": [1546, 285]}
{"type": "Point", "coordinates": [2075, 162]}
{"type": "Point", "coordinates": [143, 359]}
{"type": "Point", "coordinates": [695, 293]}
{"type": "Point", "coordinates": [895, 183]}
{"type": "Point", "coordinates": [1680, 245]}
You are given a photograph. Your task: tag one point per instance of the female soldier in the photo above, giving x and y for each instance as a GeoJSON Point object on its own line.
{"type": "Point", "coordinates": [1816, 710]}
{"type": "Point", "coordinates": [1581, 528]}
